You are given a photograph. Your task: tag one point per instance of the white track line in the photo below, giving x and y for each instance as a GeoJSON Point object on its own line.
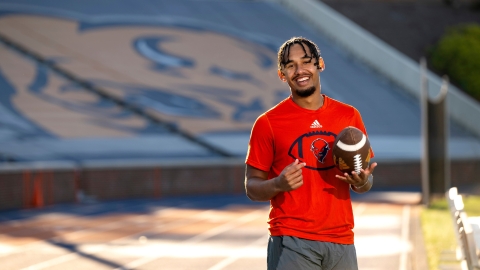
{"type": "Point", "coordinates": [200, 237]}
{"type": "Point", "coordinates": [405, 237]}
{"type": "Point", "coordinates": [229, 260]}
{"type": "Point", "coordinates": [103, 227]}
{"type": "Point", "coordinates": [359, 209]}
{"type": "Point", "coordinates": [73, 255]}
{"type": "Point", "coordinates": [52, 262]}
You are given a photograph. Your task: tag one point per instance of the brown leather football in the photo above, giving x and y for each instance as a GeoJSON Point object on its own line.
{"type": "Point", "coordinates": [351, 150]}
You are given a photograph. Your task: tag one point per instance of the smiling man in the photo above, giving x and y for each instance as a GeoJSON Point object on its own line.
{"type": "Point", "coordinates": [290, 163]}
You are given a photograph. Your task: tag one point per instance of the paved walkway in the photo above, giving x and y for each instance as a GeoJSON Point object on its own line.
{"type": "Point", "coordinates": [221, 232]}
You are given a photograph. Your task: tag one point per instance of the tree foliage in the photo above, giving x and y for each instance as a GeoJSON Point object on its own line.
{"type": "Point", "coordinates": [457, 54]}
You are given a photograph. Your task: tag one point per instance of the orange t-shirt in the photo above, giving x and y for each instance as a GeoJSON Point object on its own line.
{"type": "Point", "coordinates": [321, 208]}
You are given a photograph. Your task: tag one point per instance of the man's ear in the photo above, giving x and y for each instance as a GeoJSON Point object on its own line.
{"type": "Point", "coordinates": [321, 64]}
{"type": "Point", "coordinates": [281, 76]}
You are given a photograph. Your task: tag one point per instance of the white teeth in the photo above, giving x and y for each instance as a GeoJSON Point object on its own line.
{"type": "Point", "coordinates": [302, 79]}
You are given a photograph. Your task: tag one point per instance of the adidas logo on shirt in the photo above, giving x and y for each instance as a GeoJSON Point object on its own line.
{"type": "Point", "coordinates": [315, 124]}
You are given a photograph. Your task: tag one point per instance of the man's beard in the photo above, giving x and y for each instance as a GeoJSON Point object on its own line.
{"type": "Point", "coordinates": [306, 93]}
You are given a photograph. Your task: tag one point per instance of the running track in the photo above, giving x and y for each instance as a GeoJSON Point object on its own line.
{"type": "Point", "coordinates": [219, 232]}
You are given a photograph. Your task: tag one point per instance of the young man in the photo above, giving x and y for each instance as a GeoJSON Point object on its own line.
{"type": "Point", "coordinates": [290, 163]}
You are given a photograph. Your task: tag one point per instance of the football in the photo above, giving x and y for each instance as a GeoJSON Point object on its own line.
{"type": "Point", "coordinates": [351, 150]}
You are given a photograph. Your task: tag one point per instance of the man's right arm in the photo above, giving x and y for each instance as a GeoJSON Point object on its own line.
{"type": "Point", "coordinates": [261, 189]}
{"type": "Point", "coordinates": [257, 186]}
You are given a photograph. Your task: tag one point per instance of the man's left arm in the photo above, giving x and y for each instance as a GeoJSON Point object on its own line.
{"type": "Point", "coordinates": [363, 182]}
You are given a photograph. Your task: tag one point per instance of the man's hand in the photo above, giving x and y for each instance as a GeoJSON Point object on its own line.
{"type": "Point", "coordinates": [259, 188]}
{"type": "Point", "coordinates": [360, 181]}
{"type": "Point", "coordinates": [291, 177]}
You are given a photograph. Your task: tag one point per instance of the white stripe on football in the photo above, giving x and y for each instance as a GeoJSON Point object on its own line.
{"type": "Point", "coordinates": [354, 147]}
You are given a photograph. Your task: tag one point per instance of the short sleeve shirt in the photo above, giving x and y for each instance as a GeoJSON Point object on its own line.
{"type": "Point", "coordinates": [321, 208]}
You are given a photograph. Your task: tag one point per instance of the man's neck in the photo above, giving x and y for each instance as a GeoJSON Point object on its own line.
{"type": "Point", "coordinates": [313, 102]}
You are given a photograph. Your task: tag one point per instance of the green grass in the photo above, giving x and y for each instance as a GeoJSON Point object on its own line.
{"type": "Point", "coordinates": [471, 205]}
{"type": "Point", "coordinates": [437, 227]}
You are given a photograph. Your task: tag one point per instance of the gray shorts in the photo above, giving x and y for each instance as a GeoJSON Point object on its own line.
{"type": "Point", "coordinates": [287, 253]}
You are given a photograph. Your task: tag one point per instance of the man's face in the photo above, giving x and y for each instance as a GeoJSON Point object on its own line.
{"type": "Point", "coordinates": [300, 71]}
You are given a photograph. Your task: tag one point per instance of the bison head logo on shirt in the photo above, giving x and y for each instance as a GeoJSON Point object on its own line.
{"type": "Point", "coordinates": [313, 148]}
{"type": "Point", "coordinates": [319, 148]}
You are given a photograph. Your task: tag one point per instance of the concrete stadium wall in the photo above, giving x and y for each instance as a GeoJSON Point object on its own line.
{"type": "Point", "coordinates": [40, 185]}
{"type": "Point", "coordinates": [407, 174]}
{"type": "Point", "coordinates": [384, 59]}
{"type": "Point", "coordinates": [110, 183]}
{"type": "Point", "coordinates": [36, 188]}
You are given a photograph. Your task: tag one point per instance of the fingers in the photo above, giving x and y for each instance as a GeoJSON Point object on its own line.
{"type": "Point", "coordinates": [372, 167]}
{"type": "Point", "coordinates": [352, 179]}
{"type": "Point", "coordinates": [357, 178]}
{"type": "Point", "coordinates": [346, 177]}
{"type": "Point", "coordinates": [365, 173]}
{"type": "Point", "coordinates": [292, 177]}
{"type": "Point", "coordinates": [295, 167]}
{"type": "Point", "coordinates": [294, 174]}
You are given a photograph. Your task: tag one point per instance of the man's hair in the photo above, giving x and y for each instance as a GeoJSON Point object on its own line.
{"type": "Point", "coordinates": [284, 51]}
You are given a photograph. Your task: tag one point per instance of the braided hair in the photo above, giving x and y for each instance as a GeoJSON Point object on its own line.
{"type": "Point", "coordinates": [284, 51]}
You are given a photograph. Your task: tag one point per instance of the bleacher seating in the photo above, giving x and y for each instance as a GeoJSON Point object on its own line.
{"type": "Point", "coordinates": [468, 248]}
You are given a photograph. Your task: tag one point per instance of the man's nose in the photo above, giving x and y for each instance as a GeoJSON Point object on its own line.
{"type": "Point", "coordinates": [299, 69]}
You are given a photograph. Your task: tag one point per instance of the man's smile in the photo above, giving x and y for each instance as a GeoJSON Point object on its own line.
{"type": "Point", "coordinates": [303, 80]}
